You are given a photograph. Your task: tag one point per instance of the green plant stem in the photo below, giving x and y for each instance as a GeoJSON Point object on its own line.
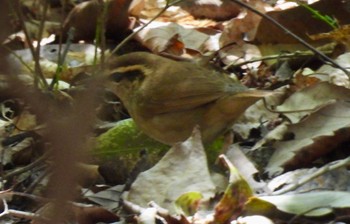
{"type": "Point", "coordinates": [62, 58]}
{"type": "Point", "coordinates": [326, 19]}
{"type": "Point", "coordinates": [100, 32]}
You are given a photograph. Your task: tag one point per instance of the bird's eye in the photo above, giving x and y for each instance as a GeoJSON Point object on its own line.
{"type": "Point", "coordinates": [117, 76]}
{"type": "Point", "coordinates": [130, 75]}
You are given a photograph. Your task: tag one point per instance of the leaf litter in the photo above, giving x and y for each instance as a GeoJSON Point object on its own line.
{"type": "Point", "coordinates": [298, 130]}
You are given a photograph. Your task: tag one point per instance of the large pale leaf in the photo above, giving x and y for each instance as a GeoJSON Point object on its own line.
{"type": "Point", "coordinates": [311, 99]}
{"type": "Point", "coordinates": [321, 202]}
{"type": "Point", "coordinates": [79, 59]}
{"type": "Point", "coordinates": [300, 180]}
{"type": "Point", "coordinates": [335, 75]}
{"type": "Point", "coordinates": [183, 169]}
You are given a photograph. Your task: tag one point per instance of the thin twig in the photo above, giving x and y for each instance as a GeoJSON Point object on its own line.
{"type": "Point", "coordinates": [30, 189]}
{"type": "Point", "coordinates": [27, 168]}
{"type": "Point", "coordinates": [40, 34]}
{"type": "Point", "coordinates": [296, 37]}
{"type": "Point", "coordinates": [36, 58]}
{"type": "Point", "coordinates": [60, 58]}
{"type": "Point", "coordinates": [19, 214]}
{"type": "Point", "coordinates": [287, 111]}
{"type": "Point", "coordinates": [273, 57]}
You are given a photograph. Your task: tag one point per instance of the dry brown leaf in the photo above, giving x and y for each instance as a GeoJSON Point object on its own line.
{"type": "Point", "coordinates": [26, 121]}
{"type": "Point", "coordinates": [240, 53]}
{"type": "Point", "coordinates": [159, 37]}
{"type": "Point", "coordinates": [293, 19]}
{"type": "Point", "coordinates": [315, 136]}
{"type": "Point", "coordinates": [84, 18]}
{"type": "Point", "coordinates": [173, 14]}
{"type": "Point", "coordinates": [246, 22]}
{"type": "Point", "coordinates": [301, 81]}
{"type": "Point", "coordinates": [340, 35]}
{"type": "Point", "coordinates": [136, 7]}
{"type": "Point", "coordinates": [211, 9]}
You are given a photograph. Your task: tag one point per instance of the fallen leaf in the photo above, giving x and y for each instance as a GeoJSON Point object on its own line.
{"type": "Point", "coordinates": [246, 22]}
{"type": "Point", "coordinates": [211, 9]}
{"type": "Point", "coordinates": [313, 137]}
{"type": "Point", "coordinates": [240, 53]}
{"type": "Point", "coordinates": [236, 195]}
{"type": "Point", "coordinates": [336, 180]}
{"type": "Point", "coordinates": [306, 101]}
{"type": "Point", "coordinates": [109, 198]}
{"type": "Point", "coordinates": [160, 36]}
{"type": "Point", "coordinates": [334, 75]}
{"type": "Point", "coordinates": [84, 19]}
{"type": "Point", "coordinates": [188, 202]}
{"type": "Point", "coordinates": [311, 204]}
{"type": "Point", "coordinates": [182, 169]}
{"type": "Point", "coordinates": [79, 58]}
{"type": "Point", "coordinates": [245, 166]}
{"type": "Point", "coordinates": [291, 18]}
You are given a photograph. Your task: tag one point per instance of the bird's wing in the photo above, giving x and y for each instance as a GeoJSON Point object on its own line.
{"type": "Point", "coordinates": [189, 91]}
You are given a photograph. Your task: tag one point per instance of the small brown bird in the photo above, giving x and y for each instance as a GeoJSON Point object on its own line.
{"type": "Point", "coordinates": [168, 98]}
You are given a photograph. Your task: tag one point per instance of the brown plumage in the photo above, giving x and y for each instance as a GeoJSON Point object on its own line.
{"type": "Point", "coordinates": [168, 98]}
